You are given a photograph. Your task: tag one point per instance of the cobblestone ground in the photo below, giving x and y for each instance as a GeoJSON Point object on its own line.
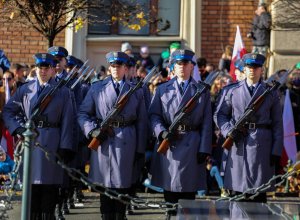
{"type": "Point", "coordinates": [91, 209]}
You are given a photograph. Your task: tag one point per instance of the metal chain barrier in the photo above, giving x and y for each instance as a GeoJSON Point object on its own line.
{"type": "Point", "coordinates": [277, 210]}
{"type": "Point", "coordinates": [124, 198]}
{"type": "Point", "coordinates": [264, 187]}
{"type": "Point", "coordinates": [10, 188]}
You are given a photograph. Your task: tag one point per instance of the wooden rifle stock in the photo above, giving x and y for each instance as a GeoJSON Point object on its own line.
{"type": "Point", "coordinates": [94, 144]}
{"type": "Point", "coordinates": [228, 143]}
{"type": "Point", "coordinates": [164, 147]}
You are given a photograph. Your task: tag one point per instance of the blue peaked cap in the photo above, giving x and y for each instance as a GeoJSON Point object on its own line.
{"type": "Point", "coordinates": [131, 61]}
{"type": "Point", "coordinates": [113, 57]}
{"type": "Point", "coordinates": [44, 59]}
{"type": "Point", "coordinates": [183, 55]}
{"type": "Point", "coordinates": [252, 59]}
{"type": "Point", "coordinates": [58, 51]}
{"type": "Point", "coordinates": [79, 63]}
{"type": "Point", "coordinates": [71, 60]}
{"type": "Point", "coordinates": [239, 64]}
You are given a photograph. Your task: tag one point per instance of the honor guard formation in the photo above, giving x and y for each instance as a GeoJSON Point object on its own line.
{"type": "Point", "coordinates": [180, 128]}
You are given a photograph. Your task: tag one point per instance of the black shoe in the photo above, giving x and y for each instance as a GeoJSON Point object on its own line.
{"type": "Point", "coordinates": [59, 216]}
{"type": "Point", "coordinates": [71, 204]}
{"type": "Point", "coordinates": [65, 209]}
{"type": "Point", "coordinates": [129, 210]}
{"type": "Point", "coordinates": [108, 216]}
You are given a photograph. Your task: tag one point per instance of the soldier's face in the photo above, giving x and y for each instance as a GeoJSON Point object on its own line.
{"type": "Point", "coordinates": [239, 75]}
{"type": "Point", "coordinates": [253, 72]}
{"type": "Point", "coordinates": [61, 64]}
{"type": "Point", "coordinates": [118, 71]}
{"type": "Point", "coordinates": [183, 69]}
{"type": "Point", "coordinates": [44, 74]}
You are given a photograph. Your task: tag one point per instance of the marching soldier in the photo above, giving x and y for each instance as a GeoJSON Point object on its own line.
{"type": "Point", "coordinates": [181, 172]}
{"type": "Point", "coordinates": [257, 147]}
{"type": "Point", "coordinates": [61, 54]}
{"type": "Point", "coordinates": [54, 127]}
{"type": "Point", "coordinates": [112, 164]}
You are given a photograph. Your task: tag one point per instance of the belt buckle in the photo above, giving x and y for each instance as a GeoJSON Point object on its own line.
{"type": "Point", "coordinates": [182, 127]}
{"type": "Point", "coordinates": [252, 126]}
{"type": "Point", "coordinates": [40, 124]}
{"type": "Point", "coordinates": [116, 124]}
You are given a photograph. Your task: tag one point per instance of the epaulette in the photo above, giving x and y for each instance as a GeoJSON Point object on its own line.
{"type": "Point", "coordinates": [231, 85]}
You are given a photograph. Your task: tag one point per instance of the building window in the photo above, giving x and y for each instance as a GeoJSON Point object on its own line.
{"type": "Point", "coordinates": [166, 12]}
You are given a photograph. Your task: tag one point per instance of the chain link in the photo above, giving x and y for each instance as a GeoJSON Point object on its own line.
{"type": "Point", "coordinates": [112, 194]}
{"type": "Point", "coordinates": [124, 198]}
{"type": "Point", "coordinates": [264, 187]}
{"type": "Point", "coordinates": [10, 188]}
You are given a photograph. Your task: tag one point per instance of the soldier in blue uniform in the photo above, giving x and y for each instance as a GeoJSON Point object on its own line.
{"type": "Point", "coordinates": [181, 172]}
{"type": "Point", "coordinates": [54, 127]}
{"type": "Point", "coordinates": [112, 164]}
{"type": "Point", "coordinates": [61, 54]}
{"type": "Point", "coordinates": [250, 162]}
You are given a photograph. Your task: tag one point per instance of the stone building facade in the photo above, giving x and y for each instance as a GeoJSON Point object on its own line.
{"type": "Point", "coordinates": [205, 26]}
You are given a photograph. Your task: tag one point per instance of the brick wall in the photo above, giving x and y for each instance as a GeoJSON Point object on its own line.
{"type": "Point", "coordinates": [20, 43]}
{"type": "Point", "coordinates": [219, 25]}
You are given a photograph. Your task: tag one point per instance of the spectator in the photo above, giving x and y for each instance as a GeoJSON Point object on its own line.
{"type": "Point", "coordinates": [26, 70]}
{"type": "Point", "coordinates": [261, 28]}
{"type": "Point", "coordinates": [210, 67]}
{"type": "Point", "coordinates": [163, 61]}
{"type": "Point", "coordinates": [212, 167]}
{"type": "Point", "coordinates": [145, 59]}
{"type": "Point", "coordinates": [6, 166]}
{"type": "Point", "coordinates": [126, 48]}
{"type": "Point", "coordinates": [31, 75]}
{"type": "Point", "coordinates": [9, 76]}
{"type": "Point", "coordinates": [201, 63]}
{"type": "Point", "coordinates": [6, 163]}
{"type": "Point", "coordinates": [224, 63]}
{"type": "Point", "coordinates": [18, 71]}
{"type": "Point", "coordinates": [141, 73]}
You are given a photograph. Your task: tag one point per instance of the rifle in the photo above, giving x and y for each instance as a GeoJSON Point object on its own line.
{"type": "Point", "coordinates": [119, 106]}
{"type": "Point", "coordinates": [48, 97]}
{"type": "Point", "coordinates": [80, 78]}
{"type": "Point", "coordinates": [253, 108]}
{"type": "Point", "coordinates": [85, 80]}
{"type": "Point", "coordinates": [186, 109]}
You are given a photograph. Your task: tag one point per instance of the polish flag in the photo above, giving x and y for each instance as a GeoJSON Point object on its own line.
{"type": "Point", "coordinates": [7, 141]}
{"type": "Point", "coordinates": [289, 128]}
{"type": "Point", "coordinates": [238, 51]}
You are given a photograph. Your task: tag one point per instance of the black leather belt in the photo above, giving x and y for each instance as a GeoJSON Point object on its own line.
{"type": "Point", "coordinates": [119, 124]}
{"type": "Point", "coordinates": [46, 124]}
{"type": "Point", "coordinates": [252, 126]}
{"type": "Point", "coordinates": [183, 127]}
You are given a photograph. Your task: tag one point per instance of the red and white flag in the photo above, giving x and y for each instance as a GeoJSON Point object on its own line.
{"type": "Point", "coordinates": [289, 128]}
{"type": "Point", "coordinates": [238, 51]}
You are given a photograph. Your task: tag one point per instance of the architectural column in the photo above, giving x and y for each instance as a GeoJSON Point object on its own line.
{"type": "Point", "coordinates": [191, 24]}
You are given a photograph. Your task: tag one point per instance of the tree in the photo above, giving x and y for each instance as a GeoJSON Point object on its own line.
{"type": "Point", "coordinates": [50, 17]}
{"type": "Point", "coordinates": [285, 14]}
